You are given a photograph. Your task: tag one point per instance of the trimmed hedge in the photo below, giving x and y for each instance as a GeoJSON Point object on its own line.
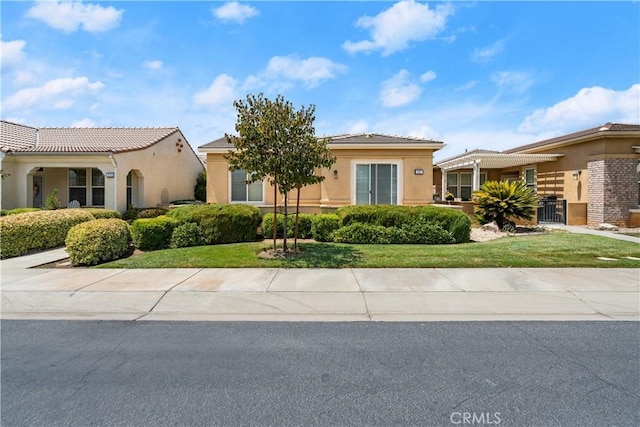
{"type": "Point", "coordinates": [18, 211]}
{"type": "Point", "coordinates": [32, 231]}
{"type": "Point", "coordinates": [97, 241]}
{"type": "Point", "coordinates": [100, 213]}
{"type": "Point", "coordinates": [453, 221]}
{"type": "Point", "coordinates": [324, 226]}
{"type": "Point", "coordinates": [222, 223]}
{"type": "Point", "coordinates": [417, 233]}
{"type": "Point", "coordinates": [185, 235]}
{"type": "Point", "coordinates": [153, 233]}
{"type": "Point", "coordinates": [304, 226]}
{"type": "Point", "coordinates": [132, 214]}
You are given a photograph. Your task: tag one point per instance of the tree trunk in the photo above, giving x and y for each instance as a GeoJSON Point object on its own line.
{"type": "Point", "coordinates": [284, 231]}
{"type": "Point", "coordinates": [275, 216]}
{"type": "Point", "coordinates": [295, 233]}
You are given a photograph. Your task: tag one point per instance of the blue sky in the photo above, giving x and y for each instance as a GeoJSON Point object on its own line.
{"type": "Point", "coordinates": [473, 74]}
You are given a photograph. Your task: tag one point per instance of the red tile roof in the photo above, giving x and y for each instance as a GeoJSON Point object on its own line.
{"type": "Point", "coordinates": [25, 139]}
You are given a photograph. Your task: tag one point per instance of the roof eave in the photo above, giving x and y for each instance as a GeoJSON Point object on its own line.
{"type": "Point", "coordinates": [532, 148]}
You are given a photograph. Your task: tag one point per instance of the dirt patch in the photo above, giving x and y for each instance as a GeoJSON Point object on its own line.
{"type": "Point", "coordinates": [279, 253]}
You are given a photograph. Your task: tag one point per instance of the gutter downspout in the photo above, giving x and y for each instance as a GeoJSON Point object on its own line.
{"type": "Point", "coordinates": [115, 182]}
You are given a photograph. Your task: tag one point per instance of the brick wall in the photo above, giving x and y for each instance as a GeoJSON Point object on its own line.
{"type": "Point", "coordinates": [612, 190]}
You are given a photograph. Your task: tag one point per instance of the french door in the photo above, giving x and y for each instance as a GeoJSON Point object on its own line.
{"type": "Point", "coordinates": [377, 184]}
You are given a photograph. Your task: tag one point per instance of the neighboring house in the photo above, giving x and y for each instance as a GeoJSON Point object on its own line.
{"type": "Point", "coordinates": [98, 167]}
{"type": "Point", "coordinates": [369, 169]}
{"type": "Point", "coordinates": [584, 178]}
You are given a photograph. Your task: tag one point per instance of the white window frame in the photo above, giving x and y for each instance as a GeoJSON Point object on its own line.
{"type": "Point", "coordinates": [400, 177]}
{"type": "Point", "coordinates": [246, 202]}
{"type": "Point", "coordinates": [483, 178]}
{"type": "Point", "coordinates": [533, 186]}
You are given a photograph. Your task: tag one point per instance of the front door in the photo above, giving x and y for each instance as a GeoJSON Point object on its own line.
{"type": "Point", "coordinates": [377, 184]}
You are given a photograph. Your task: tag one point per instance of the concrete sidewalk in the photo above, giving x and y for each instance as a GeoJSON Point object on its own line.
{"type": "Point", "coordinates": [429, 294]}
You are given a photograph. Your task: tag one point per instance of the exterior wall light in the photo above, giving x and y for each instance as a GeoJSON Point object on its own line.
{"type": "Point", "coordinates": [576, 175]}
{"type": "Point", "coordinates": [418, 171]}
{"type": "Point", "coordinates": [335, 174]}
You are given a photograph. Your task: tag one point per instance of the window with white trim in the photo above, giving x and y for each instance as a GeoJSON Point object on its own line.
{"type": "Point", "coordinates": [97, 187]}
{"type": "Point", "coordinates": [244, 191]}
{"type": "Point", "coordinates": [530, 178]}
{"type": "Point", "coordinates": [460, 184]}
{"type": "Point", "coordinates": [78, 186]}
{"type": "Point", "coordinates": [86, 192]}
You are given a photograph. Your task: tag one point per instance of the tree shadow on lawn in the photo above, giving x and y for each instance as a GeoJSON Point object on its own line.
{"type": "Point", "coordinates": [324, 255]}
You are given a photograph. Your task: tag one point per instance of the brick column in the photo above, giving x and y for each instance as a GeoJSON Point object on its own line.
{"type": "Point", "coordinates": [612, 191]}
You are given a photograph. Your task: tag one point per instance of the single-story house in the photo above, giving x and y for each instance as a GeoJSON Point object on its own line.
{"type": "Point", "coordinates": [95, 167]}
{"type": "Point", "coordinates": [369, 169]}
{"type": "Point", "coordinates": [583, 178]}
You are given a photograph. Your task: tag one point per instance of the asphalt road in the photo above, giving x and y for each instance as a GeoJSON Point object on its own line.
{"type": "Point", "coordinates": [88, 373]}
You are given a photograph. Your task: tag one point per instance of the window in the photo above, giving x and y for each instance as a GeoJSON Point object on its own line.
{"type": "Point", "coordinates": [376, 184]}
{"type": "Point", "coordinates": [97, 187]}
{"type": "Point", "coordinates": [129, 189]}
{"type": "Point", "coordinates": [242, 191]}
{"type": "Point", "coordinates": [460, 184]}
{"type": "Point", "coordinates": [78, 186]}
{"type": "Point", "coordinates": [530, 178]}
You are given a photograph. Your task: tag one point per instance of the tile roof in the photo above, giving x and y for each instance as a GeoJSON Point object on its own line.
{"type": "Point", "coordinates": [361, 138]}
{"type": "Point", "coordinates": [607, 127]}
{"type": "Point", "coordinates": [24, 139]}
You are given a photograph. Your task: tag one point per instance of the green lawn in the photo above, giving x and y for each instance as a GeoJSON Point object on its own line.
{"type": "Point", "coordinates": [548, 250]}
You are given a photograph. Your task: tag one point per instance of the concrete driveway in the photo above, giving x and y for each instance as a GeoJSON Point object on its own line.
{"type": "Point", "coordinates": [429, 294]}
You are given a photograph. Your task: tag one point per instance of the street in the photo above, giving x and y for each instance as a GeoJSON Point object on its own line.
{"type": "Point", "coordinates": [112, 373]}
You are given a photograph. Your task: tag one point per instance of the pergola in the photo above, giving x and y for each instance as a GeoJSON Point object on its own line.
{"type": "Point", "coordinates": [489, 160]}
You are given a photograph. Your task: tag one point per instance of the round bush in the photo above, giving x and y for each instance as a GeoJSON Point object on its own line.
{"type": "Point", "coordinates": [186, 235]}
{"type": "Point", "coordinates": [33, 231]}
{"type": "Point", "coordinates": [22, 210]}
{"type": "Point", "coordinates": [97, 241]}
{"type": "Point", "coordinates": [132, 214]}
{"type": "Point", "coordinates": [324, 226]}
{"type": "Point", "coordinates": [222, 223]}
{"type": "Point", "coordinates": [153, 233]}
{"type": "Point", "coordinates": [363, 234]}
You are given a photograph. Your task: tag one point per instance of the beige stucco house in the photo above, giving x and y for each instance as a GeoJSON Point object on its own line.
{"type": "Point", "coordinates": [369, 169]}
{"type": "Point", "coordinates": [584, 178]}
{"type": "Point", "coordinates": [100, 167]}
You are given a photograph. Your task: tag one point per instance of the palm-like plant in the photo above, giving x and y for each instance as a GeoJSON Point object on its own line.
{"type": "Point", "coordinates": [499, 200]}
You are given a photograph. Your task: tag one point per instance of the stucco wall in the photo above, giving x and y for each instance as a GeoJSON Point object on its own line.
{"type": "Point", "coordinates": [337, 188]}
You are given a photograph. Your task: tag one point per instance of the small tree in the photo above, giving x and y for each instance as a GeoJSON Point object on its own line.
{"type": "Point", "coordinates": [500, 200]}
{"type": "Point", "coordinates": [278, 143]}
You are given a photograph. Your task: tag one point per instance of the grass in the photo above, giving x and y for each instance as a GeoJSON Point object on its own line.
{"type": "Point", "coordinates": [556, 249]}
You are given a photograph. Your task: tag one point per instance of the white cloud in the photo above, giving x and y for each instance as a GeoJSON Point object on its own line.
{"type": "Point", "coordinates": [589, 107]}
{"type": "Point", "coordinates": [395, 28]}
{"type": "Point", "coordinates": [512, 81]}
{"type": "Point", "coordinates": [399, 90]}
{"type": "Point", "coordinates": [69, 16]}
{"type": "Point", "coordinates": [488, 52]}
{"type": "Point", "coordinates": [466, 86]}
{"type": "Point", "coordinates": [57, 91]}
{"type": "Point", "coordinates": [359, 126]}
{"type": "Point", "coordinates": [234, 12]}
{"type": "Point", "coordinates": [428, 76]}
{"type": "Point", "coordinates": [221, 92]}
{"type": "Point", "coordinates": [84, 123]}
{"type": "Point", "coordinates": [153, 65]}
{"type": "Point", "coordinates": [11, 53]}
{"type": "Point", "coordinates": [283, 71]}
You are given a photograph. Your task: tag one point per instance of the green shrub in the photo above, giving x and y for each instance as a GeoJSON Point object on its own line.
{"type": "Point", "coordinates": [421, 232]}
{"type": "Point", "coordinates": [153, 233]}
{"type": "Point", "coordinates": [200, 189]}
{"type": "Point", "coordinates": [52, 202]}
{"type": "Point", "coordinates": [100, 213]}
{"type": "Point", "coordinates": [97, 241]}
{"type": "Point", "coordinates": [363, 234]}
{"type": "Point", "coordinates": [186, 235]}
{"type": "Point", "coordinates": [453, 221]}
{"type": "Point", "coordinates": [324, 226]}
{"type": "Point", "coordinates": [32, 231]}
{"type": "Point", "coordinates": [21, 210]}
{"type": "Point", "coordinates": [304, 226]}
{"type": "Point", "coordinates": [500, 200]}
{"type": "Point", "coordinates": [3, 212]}
{"type": "Point", "coordinates": [222, 223]}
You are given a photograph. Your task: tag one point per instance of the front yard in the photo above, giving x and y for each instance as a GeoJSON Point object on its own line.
{"type": "Point", "coordinates": [555, 249]}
